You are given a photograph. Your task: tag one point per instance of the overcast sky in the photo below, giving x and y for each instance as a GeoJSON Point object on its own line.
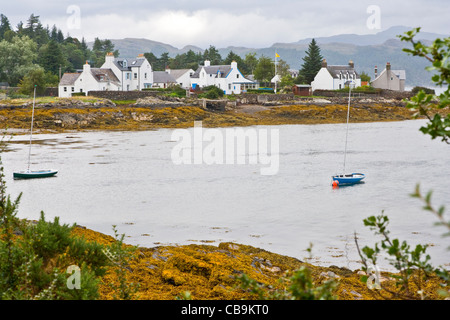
{"type": "Point", "coordinates": [222, 23]}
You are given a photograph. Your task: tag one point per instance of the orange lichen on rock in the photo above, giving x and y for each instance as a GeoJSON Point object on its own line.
{"type": "Point", "coordinates": [210, 272]}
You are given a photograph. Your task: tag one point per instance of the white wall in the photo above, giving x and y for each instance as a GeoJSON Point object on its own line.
{"type": "Point", "coordinates": [323, 80]}
{"type": "Point", "coordinates": [67, 93]}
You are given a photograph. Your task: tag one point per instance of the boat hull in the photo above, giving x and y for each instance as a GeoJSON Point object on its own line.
{"type": "Point", "coordinates": [34, 174]}
{"type": "Point", "coordinates": [349, 178]}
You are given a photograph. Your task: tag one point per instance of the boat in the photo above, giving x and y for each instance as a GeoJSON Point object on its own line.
{"type": "Point", "coordinates": [351, 178]}
{"type": "Point", "coordinates": [28, 174]}
{"type": "Point", "coordinates": [347, 178]}
{"type": "Point", "coordinates": [32, 174]}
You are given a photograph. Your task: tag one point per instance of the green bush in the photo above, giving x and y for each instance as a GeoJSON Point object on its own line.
{"type": "Point", "coordinates": [211, 92]}
{"type": "Point", "coordinates": [79, 94]}
{"type": "Point", "coordinates": [416, 90]}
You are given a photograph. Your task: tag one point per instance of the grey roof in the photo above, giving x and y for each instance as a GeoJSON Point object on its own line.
{"type": "Point", "coordinates": [68, 79]}
{"type": "Point", "coordinates": [401, 74]}
{"type": "Point", "coordinates": [336, 70]}
{"type": "Point", "coordinates": [221, 71]}
{"type": "Point", "coordinates": [108, 74]}
{"type": "Point", "coordinates": [176, 73]}
{"type": "Point", "coordinates": [163, 77]}
{"type": "Point", "coordinates": [136, 62]}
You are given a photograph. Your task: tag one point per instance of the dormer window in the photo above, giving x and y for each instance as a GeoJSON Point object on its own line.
{"type": "Point", "coordinates": [124, 63]}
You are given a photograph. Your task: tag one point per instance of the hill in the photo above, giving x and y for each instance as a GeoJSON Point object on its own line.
{"type": "Point", "coordinates": [366, 51]}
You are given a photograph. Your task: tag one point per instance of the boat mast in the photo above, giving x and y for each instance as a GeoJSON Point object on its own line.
{"type": "Point", "coordinates": [348, 117]}
{"type": "Point", "coordinates": [31, 130]}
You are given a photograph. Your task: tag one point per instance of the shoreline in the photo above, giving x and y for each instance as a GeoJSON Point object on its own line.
{"type": "Point", "coordinates": [105, 116]}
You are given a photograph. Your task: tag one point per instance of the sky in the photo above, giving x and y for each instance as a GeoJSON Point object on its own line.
{"type": "Point", "coordinates": [223, 23]}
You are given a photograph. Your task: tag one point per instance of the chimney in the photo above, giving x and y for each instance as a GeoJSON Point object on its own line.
{"type": "Point", "coordinates": [140, 56]}
{"type": "Point", "coordinates": [86, 67]}
{"type": "Point", "coordinates": [351, 64]}
{"type": "Point", "coordinates": [109, 59]}
{"type": "Point", "coordinates": [376, 71]}
{"type": "Point", "coordinates": [388, 66]}
{"type": "Point", "coordinates": [234, 65]}
{"type": "Point", "coordinates": [324, 63]}
{"type": "Point", "coordinates": [207, 63]}
{"type": "Point", "coordinates": [168, 69]}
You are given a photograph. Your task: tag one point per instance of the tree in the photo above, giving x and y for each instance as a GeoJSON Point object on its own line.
{"type": "Point", "coordinates": [4, 26]}
{"type": "Point", "coordinates": [438, 54]}
{"type": "Point", "coordinates": [212, 55]}
{"type": "Point", "coordinates": [251, 62]}
{"type": "Point", "coordinates": [365, 77]}
{"type": "Point", "coordinates": [100, 49]}
{"type": "Point", "coordinates": [35, 77]}
{"type": "Point", "coordinates": [312, 62]}
{"type": "Point", "coordinates": [240, 62]}
{"type": "Point", "coordinates": [265, 69]}
{"type": "Point", "coordinates": [51, 57]}
{"type": "Point", "coordinates": [17, 58]}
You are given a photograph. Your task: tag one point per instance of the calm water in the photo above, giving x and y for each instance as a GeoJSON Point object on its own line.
{"type": "Point", "coordinates": [128, 179]}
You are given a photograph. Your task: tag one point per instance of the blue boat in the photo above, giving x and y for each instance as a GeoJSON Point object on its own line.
{"type": "Point", "coordinates": [345, 179]}
{"type": "Point", "coordinates": [351, 178]}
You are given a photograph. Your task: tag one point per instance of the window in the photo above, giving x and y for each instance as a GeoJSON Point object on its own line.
{"type": "Point", "coordinates": [135, 75]}
{"type": "Point", "coordinates": [81, 90]}
{"type": "Point", "coordinates": [145, 75]}
{"type": "Point", "coordinates": [73, 89]}
{"type": "Point", "coordinates": [237, 75]}
{"type": "Point", "coordinates": [65, 89]}
{"type": "Point", "coordinates": [128, 76]}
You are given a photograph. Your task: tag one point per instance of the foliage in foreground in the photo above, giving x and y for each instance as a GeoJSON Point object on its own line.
{"type": "Point", "coordinates": [42, 260]}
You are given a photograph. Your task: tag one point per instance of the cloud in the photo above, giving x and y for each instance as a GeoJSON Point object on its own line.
{"type": "Point", "coordinates": [250, 23]}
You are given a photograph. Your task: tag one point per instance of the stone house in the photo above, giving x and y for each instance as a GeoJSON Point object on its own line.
{"type": "Point", "coordinates": [389, 79]}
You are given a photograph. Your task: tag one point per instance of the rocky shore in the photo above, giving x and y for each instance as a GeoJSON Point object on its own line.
{"type": "Point", "coordinates": [89, 113]}
{"type": "Point", "coordinates": [208, 272]}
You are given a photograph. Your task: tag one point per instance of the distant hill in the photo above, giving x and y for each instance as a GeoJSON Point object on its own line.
{"type": "Point", "coordinates": [370, 39]}
{"type": "Point", "coordinates": [366, 51]}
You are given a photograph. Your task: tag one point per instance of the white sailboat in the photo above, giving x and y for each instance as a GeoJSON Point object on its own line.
{"type": "Point", "coordinates": [30, 174]}
{"type": "Point", "coordinates": [347, 178]}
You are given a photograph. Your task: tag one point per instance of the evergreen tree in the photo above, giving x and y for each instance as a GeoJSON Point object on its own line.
{"type": "Point", "coordinates": [51, 57]}
{"type": "Point", "coordinates": [312, 62]}
{"type": "Point", "coordinates": [4, 26]}
{"type": "Point", "coordinates": [213, 55]}
{"type": "Point", "coordinates": [100, 49]}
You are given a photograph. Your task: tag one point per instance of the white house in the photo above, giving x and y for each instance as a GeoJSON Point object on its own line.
{"type": "Point", "coordinates": [90, 79]}
{"type": "Point", "coordinates": [134, 74]}
{"type": "Point", "coordinates": [182, 76]}
{"type": "Point", "coordinates": [335, 77]}
{"type": "Point", "coordinates": [389, 79]}
{"type": "Point", "coordinates": [226, 77]}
